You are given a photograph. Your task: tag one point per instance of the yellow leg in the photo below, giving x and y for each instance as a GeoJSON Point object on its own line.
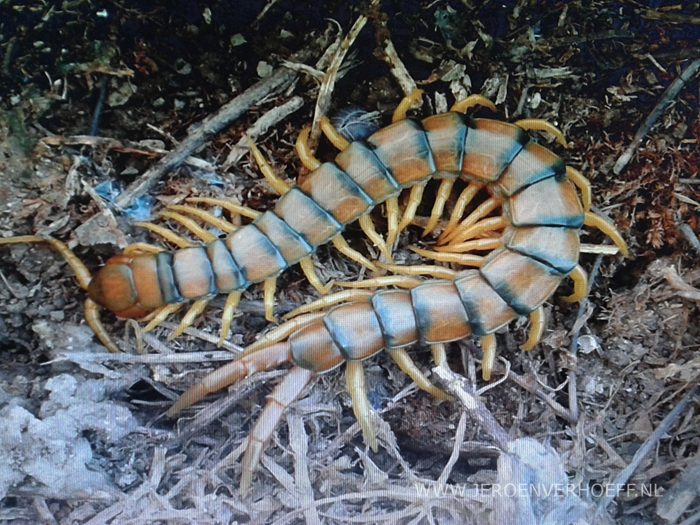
{"type": "Point", "coordinates": [195, 311]}
{"type": "Point", "coordinates": [465, 198]}
{"type": "Point", "coordinates": [392, 220]}
{"type": "Point", "coordinates": [380, 282]}
{"type": "Point", "coordinates": [168, 235]}
{"type": "Point", "coordinates": [331, 300]}
{"type": "Point", "coordinates": [306, 156]}
{"type": "Point", "coordinates": [480, 228]}
{"type": "Point", "coordinates": [283, 331]}
{"type": "Point", "coordinates": [332, 134]}
{"type": "Point", "coordinates": [439, 354]}
{"type": "Point", "coordinates": [536, 329]}
{"type": "Point", "coordinates": [360, 404]}
{"type": "Point", "coordinates": [191, 225]}
{"type": "Point", "coordinates": [272, 178]}
{"type": "Point", "coordinates": [409, 102]}
{"type": "Point", "coordinates": [343, 247]}
{"type": "Point", "coordinates": [307, 266]}
{"type": "Point", "coordinates": [492, 243]}
{"type": "Point", "coordinates": [607, 228]}
{"type": "Point", "coordinates": [463, 259]}
{"type": "Point", "coordinates": [486, 207]}
{"type": "Point", "coordinates": [413, 202]}
{"type": "Point", "coordinates": [580, 279]}
{"type": "Point", "coordinates": [269, 289]}
{"type": "Point", "coordinates": [235, 209]}
{"type": "Point", "coordinates": [368, 227]}
{"type": "Point", "coordinates": [161, 315]}
{"type": "Point", "coordinates": [471, 101]}
{"type": "Point", "coordinates": [488, 345]}
{"type": "Point", "coordinates": [536, 124]}
{"type": "Point", "coordinates": [408, 367]}
{"type": "Point", "coordinates": [142, 247]}
{"type": "Point", "coordinates": [583, 184]}
{"type": "Point", "coordinates": [440, 199]}
{"type": "Point", "coordinates": [92, 316]}
{"type": "Point", "coordinates": [207, 217]}
{"type": "Point", "coordinates": [227, 316]}
{"type": "Point", "coordinates": [438, 272]}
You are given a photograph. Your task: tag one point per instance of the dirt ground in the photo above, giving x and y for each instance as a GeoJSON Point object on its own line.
{"type": "Point", "coordinates": [93, 95]}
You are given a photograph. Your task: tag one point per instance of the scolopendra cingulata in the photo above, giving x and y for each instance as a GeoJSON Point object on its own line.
{"type": "Point", "coordinates": [538, 245]}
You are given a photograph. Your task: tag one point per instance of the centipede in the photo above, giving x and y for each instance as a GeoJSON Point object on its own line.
{"type": "Point", "coordinates": [532, 244]}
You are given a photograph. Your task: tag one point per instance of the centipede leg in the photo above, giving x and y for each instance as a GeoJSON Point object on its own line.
{"type": "Point", "coordinates": [332, 134]}
{"type": "Point", "coordinates": [222, 224]}
{"type": "Point", "coordinates": [307, 266]}
{"type": "Point", "coordinates": [306, 156]}
{"type": "Point", "coordinates": [278, 402]}
{"type": "Point", "coordinates": [464, 259]}
{"type": "Point", "coordinates": [583, 184]}
{"type": "Point", "coordinates": [471, 101]}
{"type": "Point", "coordinates": [269, 289]}
{"type": "Point", "coordinates": [386, 280]}
{"type": "Point", "coordinates": [409, 214]}
{"type": "Point", "coordinates": [458, 234]}
{"type": "Point", "coordinates": [355, 375]}
{"type": "Point", "coordinates": [190, 225]}
{"type": "Point", "coordinates": [92, 316]}
{"type": "Point", "coordinates": [161, 315]}
{"type": "Point", "coordinates": [595, 220]}
{"type": "Point", "coordinates": [537, 322]}
{"type": "Point", "coordinates": [168, 235]}
{"type": "Point", "coordinates": [283, 331]}
{"type": "Point", "coordinates": [580, 279]}
{"type": "Point", "coordinates": [331, 300]}
{"type": "Point", "coordinates": [440, 199]}
{"type": "Point", "coordinates": [408, 367]}
{"type": "Point", "coordinates": [439, 353]}
{"type": "Point", "coordinates": [142, 247]}
{"type": "Point", "coordinates": [343, 247]}
{"type": "Point", "coordinates": [489, 347]}
{"type": "Point", "coordinates": [491, 243]}
{"type": "Point", "coordinates": [409, 102]}
{"type": "Point", "coordinates": [195, 311]}
{"type": "Point", "coordinates": [368, 227]}
{"type": "Point", "coordinates": [232, 207]}
{"type": "Point", "coordinates": [276, 182]}
{"type": "Point", "coordinates": [465, 198]}
{"type": "Point", "coordinates": [227, 316]}
{"type": "Point", "coordinates": [392, 220]}
{"type": "Point", "coordinates": [536, 124]}
{"type": "Point", "coordinates": [438, 272]}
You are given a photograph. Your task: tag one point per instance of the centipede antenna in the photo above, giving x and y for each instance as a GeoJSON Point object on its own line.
{"type": "Point", "coordinates": [232, 207]}
{"type": "Point", "coordinates": [537, 325]}
{"type": "Point", "coordinates": [462, 106]}
{"type": "Point", "coordinates": [368, 227]}
{"type": "Point", "coordinates": [272, 178]}
{"type": "Point", "coordinates": [410, 101]}
{"type": "Point", "coordinates": [355, 375]}
{"type": "Point", "coordinates": [491, 243]}
{"type": "Point", "coordinates": [440, 199]}
{"type": "Point", "coordinates": [161, 315]}
{"type": "Point", "coordinates": [464, 199]}
{"type": "Point", "coordinates": [408, 367]}
{"type": "Point", "coordinates": [195, 311]}
{"type": "Point", "coordinates": [464, 259]}
{"type": "Point", "coordinates": [306, 156]}
{"type": "Point", "coordinates": [92, 316]}
{"type": "Point", "coordinates": [168, 235]}
{"type": "Point", "coordinates": [191, 225]}
{"type": "Point", "coordinates": [597, 221]}
{"type": "Point", "coordinates": [307, 266]}
{"type": "Point", "coordinates": [227, 316]}
{"type": "Point", "coordinates": [332, 134]}
{"type": "Point", "coordinates": [207, 217]}
{"type": "Point", "coordinates": [580, 278]}
{"type": "Point", "coordinates": [536, 124]}
{"type": "Point", "coordinates": [486, 207]}
{"type": "Point", "coordinates": [331, 300]}
{"type": "Point", "coordinates": [343, 247]}
{"type": "Point", "coordinates": [489, 347]}
{"type": "Point", "coordinates": [438, 272]}
{"type": "Point", "coordinates": [269, 289]}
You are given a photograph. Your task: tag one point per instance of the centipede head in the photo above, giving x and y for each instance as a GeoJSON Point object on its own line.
{"type": "Point", "coordinates": [113, 288]}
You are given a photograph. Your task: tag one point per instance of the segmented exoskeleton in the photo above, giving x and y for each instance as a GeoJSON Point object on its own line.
{"type": "Point", "coordinates": [533, 245]}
